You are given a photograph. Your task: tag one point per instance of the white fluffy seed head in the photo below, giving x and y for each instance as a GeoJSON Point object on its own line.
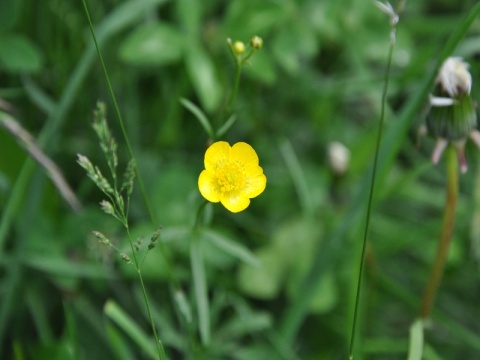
{"type": "Point", "coordinates": [454, 77]}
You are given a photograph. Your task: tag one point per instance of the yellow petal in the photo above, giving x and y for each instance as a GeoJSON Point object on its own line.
{"type": "Point", "coordinates": [217, 153]}
{"type": "Point", "coordinates": [235, 203]}
{"type": "Point", "coordinates": [208, 186]}
{"type": "Point", "coordinates": [255, 186]}
{"type": "Point", "coordinates": [245, 154]}
{"type": "Point", "coordinates": [253, 171]}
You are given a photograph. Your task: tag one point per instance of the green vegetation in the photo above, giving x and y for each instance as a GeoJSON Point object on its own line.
{"type": "Point", "coordinates": [279, 279]}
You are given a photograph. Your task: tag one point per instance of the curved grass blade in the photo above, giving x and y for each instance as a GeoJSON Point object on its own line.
{"type": "Point", "coordinates": [200, 288]}
{"type": "Point", "coordinates": [201, 117]}
{"type": "Point", "coordinates": [130, 327]}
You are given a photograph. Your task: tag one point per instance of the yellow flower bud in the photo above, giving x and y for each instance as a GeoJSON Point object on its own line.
{"type": "Point", "coordinates": [238, 47]}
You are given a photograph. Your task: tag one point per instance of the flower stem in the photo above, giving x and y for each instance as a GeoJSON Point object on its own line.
{"type": "Point", "coordinates": [236, 84]}
{"type": "Point", "coordinates": [446, 234]}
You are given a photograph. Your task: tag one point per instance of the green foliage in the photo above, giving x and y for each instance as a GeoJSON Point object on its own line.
{"type": "Point", "coordinates": [276, 281]}
{"type": "Point", "coordinates": [18, 54]}
{"type": "Point", "coordinates": [153, 45]}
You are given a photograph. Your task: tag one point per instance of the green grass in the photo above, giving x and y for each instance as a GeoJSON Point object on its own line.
{"type": "Point", "coordinates": [278, 280]}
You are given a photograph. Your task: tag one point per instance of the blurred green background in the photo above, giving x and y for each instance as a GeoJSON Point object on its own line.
{"type": "Point", "coordinates": [317, 79]}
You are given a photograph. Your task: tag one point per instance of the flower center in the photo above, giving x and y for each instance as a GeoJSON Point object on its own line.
{"type": "Point", "coordinates": [230, 177]}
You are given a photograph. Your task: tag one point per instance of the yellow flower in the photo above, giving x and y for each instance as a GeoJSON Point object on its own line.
{"type": "Point", "coordinates": [232, 175]}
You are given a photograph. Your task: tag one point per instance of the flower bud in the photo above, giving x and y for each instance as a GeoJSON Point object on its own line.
{"type": "Point", "coordinates": [256, 42]}
{"type": "Point", "coordinates": [238, 47]}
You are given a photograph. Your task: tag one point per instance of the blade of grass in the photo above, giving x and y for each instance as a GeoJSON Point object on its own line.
{"type": "Point", "coordinates": [37, 308]}
{"type": "Point", "coordinates": [231, 247]}
{"type": "Point", "coordinates": [415, 348]}
{"type": "Point", "coordinates": [201, 117]}
{"type": "Point", "coordinates": [59, 266]}
{"type": "Point", "coordinates": [87, 311]}
{"type": "Point", "coordinates": [330, 250]}
{"type": "Point", "coordinates": [130, 327]}
{"type": "Point", "coordinates": [38, 96]}
{"type": "Point", "coordinates": [26, 140]}
{"type": "Point", "coordinates": [11, 288]}
{"type": "Point", "coordinates": [226, 126]}
{"type": "Point", "coordinates": [119, 345]}
{"type": "Point", "coordinates": [72, 331]}
{"type": "Point", "coordinates": [297, 175]}
{"type": "Point", "coordinates": [200, 288]}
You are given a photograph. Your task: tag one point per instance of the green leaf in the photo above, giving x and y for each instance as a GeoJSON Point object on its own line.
{"type": "Point", "coordinates": [19, 54]}
{"type": "Point", "coordinates": [201, 71]}
{"type": "Point", "coordinates": [189, 14]}
{"type": "Point", "coordinates": [264, 282]}
{"type": "Point", "coordinates": [183, 305]}
{"type": "Point", "coordinates": [59, 266]}
{"type": "Point", "coordinates": [125, 14]}
{"type": "Point", "coordinates": [260, 67]}
{"type": "Point", "coordinates": [226, 126]}
{"type": "Point", "coordinates": [292, 45]}
{"type": "Point", "coordinates": [298, 176]}
{"type": "Point", "coordinates": [152, 44]}
{"type": "Point", "coordinates": [245, 18]}
{"type": "Point", "coordinates": [326, 295]}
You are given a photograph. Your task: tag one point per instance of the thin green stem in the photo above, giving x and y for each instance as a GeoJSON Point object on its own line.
{"type": "Point", "coordinates": [233, 95]}
{"type": "Point", "coordinates": [445, 235]}
{"type": "Point", "coordinates": [370, 197]}
{"type": "Point", "coordinates": [196, 224]}
{"type": "Point", "coordinates": [119, 117]}
{"type": "Point", "coordinates": [158, 343]}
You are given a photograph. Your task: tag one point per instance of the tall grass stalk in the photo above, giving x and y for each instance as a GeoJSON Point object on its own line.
{"type": "Point", "coordinates": [158, 343]}
{"type": "Point", "coordinates": [393, 23]}
{"type": "Point", "coordinates": [120, 118]}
